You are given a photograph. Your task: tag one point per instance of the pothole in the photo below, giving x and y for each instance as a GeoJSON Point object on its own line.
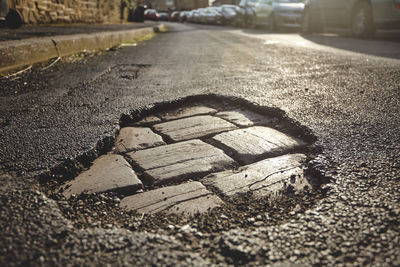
{"type": "Point", "coordinates": [199, 155]}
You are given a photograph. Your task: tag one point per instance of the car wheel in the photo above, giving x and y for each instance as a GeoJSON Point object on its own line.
{"type": "Point", "coordinates": [14, 19]}
{"type": "Point", "coordinates": [272, 23]}
{"type": "Point", "coordinates": [362, 22]}
{"type": "Point", "coordinates": [253, 22]}
{"type": "Point", "coordinates": [309, 24]}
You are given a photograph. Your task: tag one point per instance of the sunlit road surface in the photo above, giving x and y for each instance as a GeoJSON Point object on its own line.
{"type": "Point", "coordinates": [385, 44]}
{"type": "Point", "coordinates": [343, 90]}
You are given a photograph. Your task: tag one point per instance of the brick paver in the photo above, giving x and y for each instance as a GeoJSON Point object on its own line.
{"type": "Point", "coordinates": [244, 118]}
{"type": "Point", "coordinates": [262, 178]}
{"type": "Point", "coordinates": [186, 198]}
{"type": "Point", "coordinates": [193, 127]}
{"type": "Point", "coordinates": [108, 173]}
{"type": "Point", "coordinates": [135, 138]}
{"type": "Point", "coordinates": [148, 120]}
{"type": "Point", "coordinates": [186, 112]}
{"type": "Point", "coordinates": [250, 144]}
{"type": "Point", "coordinates": [180, 161]}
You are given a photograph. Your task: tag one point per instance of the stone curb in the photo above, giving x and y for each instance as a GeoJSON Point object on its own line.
{"type": "Point", "coordinates": [19, 53]}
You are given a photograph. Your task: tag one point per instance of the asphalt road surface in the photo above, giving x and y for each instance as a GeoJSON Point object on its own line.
{"type": "Point", "coordinates": [346, 91]}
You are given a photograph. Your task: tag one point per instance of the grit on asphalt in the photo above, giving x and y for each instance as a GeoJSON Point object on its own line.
{"type": "Point", "coordinates": [69, 114]}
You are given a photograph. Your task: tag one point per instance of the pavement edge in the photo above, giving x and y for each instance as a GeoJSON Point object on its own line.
{"type": "Point", "coordinates": [20, 53]}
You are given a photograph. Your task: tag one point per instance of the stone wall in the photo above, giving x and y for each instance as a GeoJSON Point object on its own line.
{"type": "Point", "coordinates": [68, 11]}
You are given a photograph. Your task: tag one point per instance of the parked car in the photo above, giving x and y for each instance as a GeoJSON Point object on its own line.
{"type": "Point", "coordinates": [190, 16]}
{"type": "Point", "coordinates": [174, 16]}
{"type": "Point", "coordinates": [198, 15]}
{"type": "Point", "coordinates": [211, 15]}
{"type": "Point", "coordinates": [151, 14]}
{"type": "Point", "coordinates": [287, 13]}
{"type": "Point", "coordinates": [232, 15]}
{"type": "Point", "coordinates": [183, 16]}
{"type": "Point", "coordinates": [258, 12]}
{"type": "Point", "coordinates": [363, 17]}
{"type": "Point", "coordinates": [163, 16]}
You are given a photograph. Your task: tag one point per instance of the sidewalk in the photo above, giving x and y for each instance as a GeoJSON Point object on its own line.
{"type": "Point", "coordinates": [31, 44]}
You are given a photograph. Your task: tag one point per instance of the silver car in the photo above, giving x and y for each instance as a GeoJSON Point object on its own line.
{"type": "Point", "coordinates": [363, 17]}
{"type": "Point", "coordinates": [288, 13]}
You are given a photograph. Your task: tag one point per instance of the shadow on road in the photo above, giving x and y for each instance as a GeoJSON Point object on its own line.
{"type": "Point", "coordinates": [384, 44]}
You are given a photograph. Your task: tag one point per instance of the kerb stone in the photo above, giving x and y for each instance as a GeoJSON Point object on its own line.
{"type": "Point", "coordinates": [262, 178]}
{"type": "Point", "coordinates": [136, 138]}
{"type": "Point", "coordinates": [180, 161]}
{"type": "Point", "coordinates": [249, 144]}
{"type": "Point", "coordinates": [108, 173]}
{"type": "Point", "coordinates": [188, 198]}
{"type": "Point", "coordinates": [193, 127]}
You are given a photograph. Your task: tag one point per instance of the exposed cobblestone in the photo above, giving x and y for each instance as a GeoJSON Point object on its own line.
{"type": "Point", "coordinates": [136, 138]}
{"type": "Point", "coordinates": [243, 117]}
{"type": "Point", "coordinates": [186, 112]}
{"type": "Point", "coordinates": [180, 161]}
{"type": "Point", "coordinates": [193, 127]}
{"type": "Point", "coordinates": [108, 173]}
{"type": "Point", "coordinates": [252, 143]}
{"type": "Point", "coordinates": [262, 178]}
{"type": "Point", "coordinates": [187, 198]}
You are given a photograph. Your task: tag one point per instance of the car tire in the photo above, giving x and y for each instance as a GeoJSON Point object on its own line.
{"type": "Point", "coordinates": [309, 22]}
{"type": "Point", "coordinates": [362, 25]}
{"type": "Point", "coordinates": [272, 23]}
{"type": "Point", "coordinates": [14, 19]}
{"type": "Point", "coordinates": [251, 22]}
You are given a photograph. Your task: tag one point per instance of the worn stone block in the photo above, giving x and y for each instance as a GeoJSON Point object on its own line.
{"type": "Point", "coordinates": [148, 120]}
{"type": "Point", "coordinates": [136, 138]}
{"type": "Point", "coordinates": [193, 127]}
{"type": "Point", "coordinates": [108, 173]}
{"type": "Point", "coordinates": [245, 118]}
{"type": "Point", "coordinates": [262, 178]}
{"type": "Point", "coordinates": [180, 161]}
{"type": "Point", "coordinates": [188, 198]}
{"type": "Point", "coordinates": [186, 112]}
{"type": "Point", "coordinates": [250, 144]}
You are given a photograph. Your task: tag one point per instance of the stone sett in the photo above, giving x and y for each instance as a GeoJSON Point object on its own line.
{"type": "Point", "coordinates": [148, 120]}
{"type": "Point", "coordinates": [186, 112]}
{"type": "Point", "coordinates": [245, 118]}
{"type": "Point", "coordinates": [266, 177]}
{"type": "Point", "coordinates": [108, 173]}
{"type": "Point", "coordinates": [187, 198]}
{"type": "Point", "coordinates": [136, 138]}
{"type": "Point", "coordinates": [180, 161]}
{"type": "Point", "coordinates": [193, 127]}
{"type": "Point", "coordinates": [250, 144]}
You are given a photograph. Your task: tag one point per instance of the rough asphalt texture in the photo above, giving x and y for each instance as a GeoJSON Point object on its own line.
{"type": "Point", "coordinates": [350, 101]}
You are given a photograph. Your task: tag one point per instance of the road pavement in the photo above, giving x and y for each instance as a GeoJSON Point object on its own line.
{"type": "Point", "coordinates": [345, 92]}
